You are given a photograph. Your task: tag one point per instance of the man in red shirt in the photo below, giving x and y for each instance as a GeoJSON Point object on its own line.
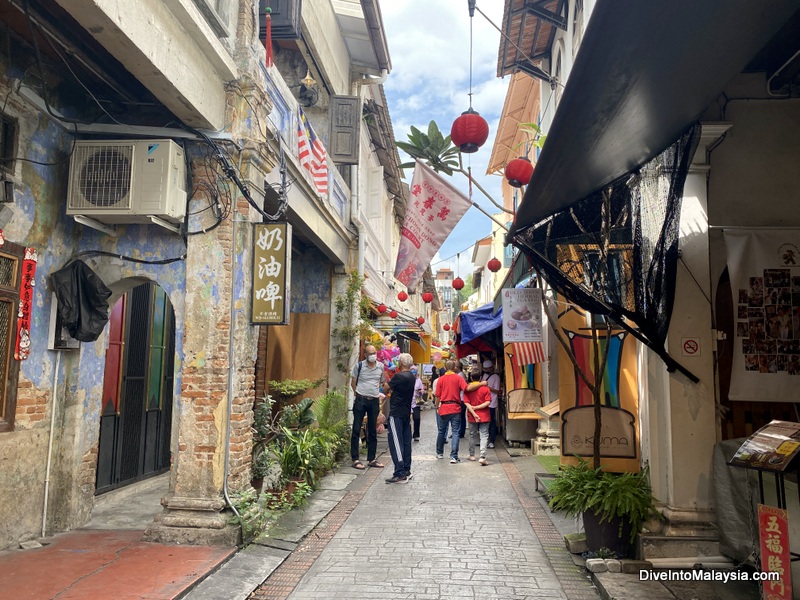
{"type": "Point", "coordinates": [477, 402]}
{"type": "Point", "coordinates": [448, 394]}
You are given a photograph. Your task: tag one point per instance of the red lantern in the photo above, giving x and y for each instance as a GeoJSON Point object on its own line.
{"type": "Point", "coordinates": [446, 327]}
{"type": "Point", "coordinates": [402, 296]}
{"type": "Point", "coordinates": [469, 131]}
{"type": "Point", "coordinates": [420, 320]}
{"type": "Point", "coordinates": [382, 308]}
{"type": "Point", "coordinates": [427, 297]}
{"type": "Point", "coordinates": [450, 342]}
{"type": "Point", "coordinates": [458, 283]}
{"type": "Point", "coordinates": [494, 265]}
{"type": "Point", "coordinates": [519, 172]}
{"type": "Point", "coordinates": [393, 314]}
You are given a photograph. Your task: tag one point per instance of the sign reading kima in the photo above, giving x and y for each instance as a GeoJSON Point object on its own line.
{"type": "Point", "coordinates": [272, 244]}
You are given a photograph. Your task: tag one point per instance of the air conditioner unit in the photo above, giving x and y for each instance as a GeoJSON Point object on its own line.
{"type": "Point", "coordinates": [127, 181]}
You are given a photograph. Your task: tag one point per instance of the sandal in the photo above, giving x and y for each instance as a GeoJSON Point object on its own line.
{"type": "Point", "coordinates": [376, 464]}
{"type": "Point", "coordinates": [357, 464]}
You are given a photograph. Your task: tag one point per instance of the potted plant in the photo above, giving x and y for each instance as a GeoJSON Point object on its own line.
{"type": "Point", "coordinates": [613, 505]}
{"type": "Point", "coordinates": [261, 467]}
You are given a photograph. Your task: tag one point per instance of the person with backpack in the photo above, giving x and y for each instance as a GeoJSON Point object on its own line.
{"type": "Point", "coordinates": [368, 379]}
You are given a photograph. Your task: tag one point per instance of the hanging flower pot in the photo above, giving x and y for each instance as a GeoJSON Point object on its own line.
{"type": "Point", "coordinates": [458, 283]}
{"type": "Point", "coordinates": [420, 320]}
{"type": "Point", "coordinates": [519, 172]}
{"type": "Point", "coordinates": [427, 297]}
{"type": "Point", "coordinates": [469, 131]}
{"type": "Point", "coordinates": [382, 308]}
{"type": "Point", "coordinates": [494, 265]}
{"type": "Point", "coordinates": [446, 327]}
{"type": "Point", "coordinates": [393, 314]}
{"type": "Point", "coordinates": [402, 296]}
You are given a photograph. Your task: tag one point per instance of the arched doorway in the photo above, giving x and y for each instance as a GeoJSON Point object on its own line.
{"type": "Point", "coordinates": [136, 417]}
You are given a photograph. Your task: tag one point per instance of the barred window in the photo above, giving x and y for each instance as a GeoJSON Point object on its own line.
{"type": "Point", "coordinates": [10, 274]}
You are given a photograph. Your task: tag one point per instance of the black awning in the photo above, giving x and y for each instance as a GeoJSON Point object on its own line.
{"type": "Point", "coordinates": [644, 73]}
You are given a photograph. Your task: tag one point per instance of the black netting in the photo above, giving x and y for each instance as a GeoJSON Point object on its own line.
{"type": "Point", "coordinates": [615, 252]}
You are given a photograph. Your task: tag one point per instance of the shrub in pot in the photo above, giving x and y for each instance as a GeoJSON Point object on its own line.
{"type": "Point", "coordinates": [613, 505]}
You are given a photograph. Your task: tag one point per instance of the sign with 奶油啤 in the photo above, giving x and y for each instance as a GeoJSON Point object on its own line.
{"type": "Point", "coordinates": [272, 253]}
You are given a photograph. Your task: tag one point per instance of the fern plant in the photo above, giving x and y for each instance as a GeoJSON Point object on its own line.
{"type": "Point", "coordinates": [331, 412]}
{"type": "Point", "coordinates": [579, 489]}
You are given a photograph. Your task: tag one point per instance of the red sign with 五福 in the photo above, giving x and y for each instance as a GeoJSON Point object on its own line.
{"type": "Point", "coordinates": [773, 528]}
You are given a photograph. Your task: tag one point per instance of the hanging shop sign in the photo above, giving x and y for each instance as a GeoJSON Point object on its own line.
{"type": "Point", "coordinates": [773, 529]}
{"type": "Point", "coordinates": [522, 315]}
{"type": "Point", "coordinates": [272, 262]}
{"type": "Point", "coordinates": [22, 348]}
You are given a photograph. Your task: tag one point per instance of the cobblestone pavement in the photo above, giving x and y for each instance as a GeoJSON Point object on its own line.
{"type": "Point", "coordinates": [454, 531]}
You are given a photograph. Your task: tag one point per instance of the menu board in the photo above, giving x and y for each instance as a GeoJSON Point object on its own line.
{"type": "Point", "coordinates": [771, 448]}
{"type": "Point", "coordinates": [522, 315]}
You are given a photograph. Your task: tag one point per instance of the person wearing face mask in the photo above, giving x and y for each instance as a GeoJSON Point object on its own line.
{"type": "Point", "coordinates": [368, 378]}
{"type": "Point", "coordinates": [419, 389]}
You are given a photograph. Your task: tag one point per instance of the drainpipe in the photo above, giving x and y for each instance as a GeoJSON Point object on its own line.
{"type": "Point", "coordinates": [232, 317]}
{"type": "Point", "coordinates": [356, 218]}
{"type": "Point", "coordinates": [53, 396]}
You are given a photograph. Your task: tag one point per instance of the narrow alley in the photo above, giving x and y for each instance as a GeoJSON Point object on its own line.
{"type": "Point", "coordinates": [453, 531]}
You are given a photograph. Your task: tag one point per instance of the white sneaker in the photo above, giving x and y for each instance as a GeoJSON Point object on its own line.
{"type": "Point", "coordinates": [440, 456]}
{"type": "Point", "coordinates": [491, 445]}
{"type": "Point", "coordinates": [455, 461]}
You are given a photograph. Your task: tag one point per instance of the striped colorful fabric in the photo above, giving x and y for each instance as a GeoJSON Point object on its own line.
{"type": "Point", "coordinates": [529, 353]}
{"type": "Point", "coordinates": [312, 153]}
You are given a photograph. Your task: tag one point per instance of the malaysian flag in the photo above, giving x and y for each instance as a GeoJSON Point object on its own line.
{"type": "Point", "coordinates": [528, 353]}
{"type": "Point", "coordinates": [312, 154]}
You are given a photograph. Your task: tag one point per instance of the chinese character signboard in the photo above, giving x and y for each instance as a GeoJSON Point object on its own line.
{"type": "Point", "coordinates": [773, 528]}
{"type": "Point", "coordinates": [771, 448]}
{"type": "Point", "coordinates": [272, 251]}
{"type": "Point", "coordinates": [23, 346]}
{"type": "Point", "coordinates": [522, 315]}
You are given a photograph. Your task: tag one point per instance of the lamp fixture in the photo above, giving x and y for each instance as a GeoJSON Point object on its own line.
{"type": "Point", "coordinates": [308, 80]}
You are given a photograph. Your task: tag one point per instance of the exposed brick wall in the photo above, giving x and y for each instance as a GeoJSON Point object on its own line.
{"type": "Point", "coordinates": [31, 404]}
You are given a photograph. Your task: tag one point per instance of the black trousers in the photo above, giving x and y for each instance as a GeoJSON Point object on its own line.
{"type": "Point", "coordinates": [363, 406]}
{"type": "Point", "coordinates": [416, 419]}
{"type": "Point", "coordinates": [400, 445]}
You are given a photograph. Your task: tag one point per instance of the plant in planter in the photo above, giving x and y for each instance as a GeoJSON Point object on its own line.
{"type": "Point", "coordinates": [613, 505]}
{"type": "Point", "coordinates": [286, 389]}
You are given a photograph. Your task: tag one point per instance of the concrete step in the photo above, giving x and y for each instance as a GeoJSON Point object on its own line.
{"type": "Point", "coordinates": [665, 546]}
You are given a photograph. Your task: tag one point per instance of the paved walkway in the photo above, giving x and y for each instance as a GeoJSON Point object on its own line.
{"type": "Point", "coordinates": [454, 531]}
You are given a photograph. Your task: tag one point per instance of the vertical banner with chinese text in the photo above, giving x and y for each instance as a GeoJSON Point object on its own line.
{"type": "Point", "coordinates": [22, 348]}
{"type": "Point", "coordinates": [434, 208]}
{"type": "Point", "coordinates": [773, 528]}
{"type": "Point", "coordinates": [272, 255]}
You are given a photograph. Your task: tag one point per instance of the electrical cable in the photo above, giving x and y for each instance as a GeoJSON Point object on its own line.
{"type": "Point", "coordinates": [163, 261]}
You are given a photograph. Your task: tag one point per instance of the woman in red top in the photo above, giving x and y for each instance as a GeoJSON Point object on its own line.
{"type": "Point", "coordinates": [478, 414]}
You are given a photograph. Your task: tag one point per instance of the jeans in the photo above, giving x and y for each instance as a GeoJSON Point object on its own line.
{"type": "Point", "coordinates": [416, 419]}
{"type": "Point", "coordinates": [474, 428]}
{"type": "Point", "coordinates": [463, 427]}
{"type": "Point", "coordinates": [400, 445]}
{"type": "Point", "coordinates": [371, 408]}
{"type": "Point", "coordinates": [444, 421]}
{"type": "Point", "coordinates": [492, 425]}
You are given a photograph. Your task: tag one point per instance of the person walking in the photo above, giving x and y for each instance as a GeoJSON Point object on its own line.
{"type": "Point", "coordinates": [448, 391]}
{"type": "Point", "coordinates": [368, 377]}
{"type": "Point", "coordinates": [462, 369]}
{"type": "Point", "coordinates": [477, 402]}
{"type": "Point", "coordinates": [400, 389]}
{"type": "Point", "coordinates": [419, 389]}
{"type": "Point", "coordinates": [492, 379]}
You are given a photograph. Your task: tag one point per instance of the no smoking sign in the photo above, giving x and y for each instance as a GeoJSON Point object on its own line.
{"type": "Point", "coordinates": [690, 346]}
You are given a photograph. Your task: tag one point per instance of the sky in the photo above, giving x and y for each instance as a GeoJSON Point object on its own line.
{"type": "Point", "coordinates": [429, 48]}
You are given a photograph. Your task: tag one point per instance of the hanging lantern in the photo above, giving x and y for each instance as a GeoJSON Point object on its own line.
{"type": "Point", "coordinates": [420, 320]}
{"type": "Point", "coordinates": [449, 342]}
{"type": "Point", "coordinates": [469, 131]}
{"type": "Point", "coordinates": [402, 296]}
{"type": "Point", "coordinates": [382, 308]}
{"type": "Point", "coordinates": [519, 172]}
{"type": "Point", "coordinates": [446, 327]}
{"type": "Point", "coordinates": [393, 314]}
{"type": "Point", "coordinates": [427, 297]}
{"type": "Point", "coordinates": [458, 283]}
{"type": "Point", "coordinates": [494, 265]}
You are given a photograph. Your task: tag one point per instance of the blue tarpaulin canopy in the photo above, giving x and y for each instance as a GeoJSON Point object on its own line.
{"type": "Point", "coordinates": [475, 323]}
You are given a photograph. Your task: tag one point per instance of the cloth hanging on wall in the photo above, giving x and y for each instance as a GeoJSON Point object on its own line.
{"type": "Point", "coordinates": [82, 300]}
{"type": "Point", "coordinates": [764, 267]}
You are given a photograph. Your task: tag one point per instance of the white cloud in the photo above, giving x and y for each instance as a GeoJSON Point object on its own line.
{"type": "Point", "coordinates": [429, 47]}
